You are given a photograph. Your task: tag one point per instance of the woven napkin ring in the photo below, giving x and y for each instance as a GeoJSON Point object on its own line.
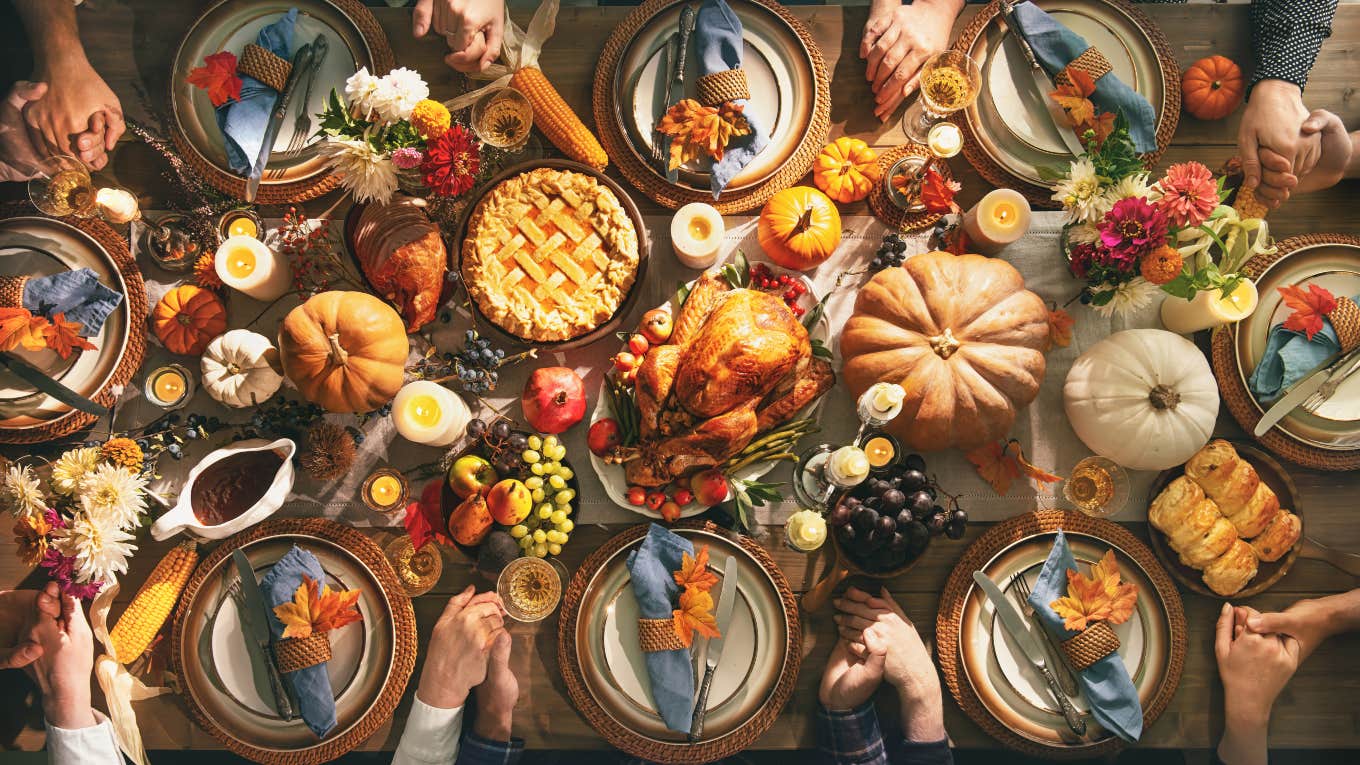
{"type": "Point", "coordinates": [1345, 319]}
{"type": "Point", "coordinates": [721, 87]}
{"type": "Point", "coordinates": [658, 635]}
{"type": "Point", "coordinates": [265, 66]}
{"type": "Point", "coordinates": [12, 291]}
{"type": "Point", "coordinates": [293, 654]}
{"type": "Point", "coordinates": [1091, 61]}
{"type": "Point", "coordinates": [1090, 645]}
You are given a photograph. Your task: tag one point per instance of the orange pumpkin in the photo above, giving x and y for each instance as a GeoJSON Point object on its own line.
{"type": "Point", "coordinates": [799, 228]}
{"type": "Point", "coordinates": [188, 318]}
{"type": "Point", "coordinates": [345, 351]}
{"type": "Point", "coordinates": [846, 170]}
{"type": "Point", "coordinates": [1212, 88]}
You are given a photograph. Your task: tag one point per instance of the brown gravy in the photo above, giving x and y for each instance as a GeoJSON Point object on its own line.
{"type": "Point", "coordinates": [232, 485]}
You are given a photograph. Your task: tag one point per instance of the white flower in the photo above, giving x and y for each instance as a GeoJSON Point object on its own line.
{"type": "Point", "coordinates": [398, 93]}
{"type": "Point", "coordinates": [114, 492]}
{"type": "Point", "coordinates": [20, 493]}
{"type": "Point", "coordinates": [1083, 233]}
{"type": "Point", "coordinates": [359, 90]}
{"type": "Point", "coordinates": [71, 467]}
{"type": "Point", "coordinates": [1081, 194]}
{"type": "Point", "coordinates": [99, 547]}
{"type": "Point", "coordinates": [367, 174]}
{"type": "Point", "coordinates": [1128, 297]}
{"type": "Point", "coordinates": [1129, 186]}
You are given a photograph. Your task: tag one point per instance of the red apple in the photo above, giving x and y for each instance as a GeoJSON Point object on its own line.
{"type": "Point", "coordinates": [471, 474]}
{"type": "Point", "coordinates": [670, 512]}
{"type": "Point", "coordinates": [656, 326]}
{"type": "Point", "coordinates": [554, 399]}
{"type": "Point", "coordinates": [603, 436]}
{"type": "Point", "coordinates": [709, 487]}
{"type": "Point", "coordinates": [637, 496]}
{"type": "Point", "coordinates": [683, 496]}
{"type": "Point", "coordinates": [655, 499]}
{"type": "Point", "coordinates": [638, 345]}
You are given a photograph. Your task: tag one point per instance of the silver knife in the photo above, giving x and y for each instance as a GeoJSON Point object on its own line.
{"type": "Point", "coordinates": [1044, 84]}
{"type": "Point", "coordinates": [676, 90]}
{"type": "Point", "coordinates": [302, 61]}
{"type": "Point", "coordinates": [255, 625]}
{"type": "Point", "coordinates": [726, 600]}
{"type": "Point", "coordinates": [1300, 391]}
{"type": "Point", "coordinates": [39, 379]}
{"type": "Point", "coordinates": [1029, 645]}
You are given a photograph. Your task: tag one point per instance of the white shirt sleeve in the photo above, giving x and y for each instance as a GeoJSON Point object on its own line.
{"type": "Point", "coordinates": [431, 736]}
{"type": "Point", "coordinates": [95, 745]}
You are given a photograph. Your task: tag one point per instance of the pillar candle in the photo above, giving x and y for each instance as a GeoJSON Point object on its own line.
{"type": "Point", "coordinates": [1209, 308]}
{"type": "Point", "coordinates": [696, 234]}
{"type": "Point", "coordinates": [428, 413]}
{"type": "Point", "coordinates": [996, 220]}
{"type": "Point", "coordinates": [244, 263]}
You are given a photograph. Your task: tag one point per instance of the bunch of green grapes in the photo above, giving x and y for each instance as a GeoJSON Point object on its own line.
{"type": "Point", "coordinates": [549, 525]}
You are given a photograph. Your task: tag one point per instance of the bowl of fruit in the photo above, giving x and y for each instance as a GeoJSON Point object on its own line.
{"type": "Point", "coordinates": [880, 528]}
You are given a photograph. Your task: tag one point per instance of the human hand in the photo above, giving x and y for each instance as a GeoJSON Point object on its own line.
{"type": "Point", "coordinates": [1309, 622]}
{"type": "Point", "coordinates": [472, 28]}
{"type": "Point", "coordinates": [897, 41]}
{"type": "Point", "coordinates": [496, 698]}
{"type": "Point", "coordinates": [19, 611]}
{"type": "Point", "coordinates": [79, 115]}
{"type": "Point", "coordinates": [456, 659]}
{"type": "Point", "coordinates": [1336, 151]}
{"type": "Point", "coordinates": [1254, 668]}
{"type": "Point", "coordinates": [63, 669]}
{"type": "Point", "coordinates": [1273, 157]}
{"type": "Point", "coordinates": [19, 156]}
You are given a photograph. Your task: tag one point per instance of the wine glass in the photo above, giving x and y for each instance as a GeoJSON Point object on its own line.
{"type": "Point", "coordinates": [502, 118]}
{"type": "Point", "coordinates": [63, 187]}
{"type": "Point", "coordinates": [950, 81]}
{"type": "Point", "coordinates": [1097, 486]}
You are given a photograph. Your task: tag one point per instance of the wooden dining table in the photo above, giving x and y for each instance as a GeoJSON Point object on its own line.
{"type": "Point", "coordinates": [131, 43]}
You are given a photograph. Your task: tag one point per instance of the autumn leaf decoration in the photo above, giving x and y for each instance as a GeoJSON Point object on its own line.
{"type": "Point", "coordinates": [1074, 96]}
{"type": "Point", "coordinates": [1001, 462]}
{"type": "Point", "coordinates": [20, 328]}
{"type": "Point", "coordinates": [218, 77]}
{"type": "Point", "coordinates": [1310, 308]}
{"type": "Point", "coordinates": [1097, 598]}
{"type": "Point", "coordinates": [311, 611]}
{"type": "Point", "coordinates": [695, 613]}
{"type": "Point", "coordinates": [937, 194]}
{"type": "Point", "coordinates": [697, 130]}
{"type": "Point", "coordinates": [1060, 324]}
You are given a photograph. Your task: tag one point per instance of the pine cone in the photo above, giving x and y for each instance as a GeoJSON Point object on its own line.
{"type": "Point", "coordinates": [331, 451]}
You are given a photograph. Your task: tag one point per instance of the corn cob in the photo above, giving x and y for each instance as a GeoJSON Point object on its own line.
{"type": "Point", "coordinates": [152, 605]}
{"type": "Point", "coordinates": [1248, 206]}
{"type": "Point", "coordinates": [557, 121]}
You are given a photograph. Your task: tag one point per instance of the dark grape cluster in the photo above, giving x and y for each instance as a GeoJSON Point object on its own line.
{"type": "Point", "coordinates": [502, 444]}
{"type": "Point", "coordinates": [890, 254]}
{"type": "Point", "coordinates": [889, 519]}
{"type": "Point", "coordinates": [476, 363]}
{"type": "Point", "coordinates": [281, 417]}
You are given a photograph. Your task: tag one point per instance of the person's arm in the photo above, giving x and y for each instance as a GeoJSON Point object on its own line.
{"type": "Point", "coordinates": [850, 736]}
{"type": "Point", "coordinates": [1254, 668]}
{"type": "Point", "coordinates": [489, 742]}
{"type": "Point", "coordinates": [1313, 621]}
{"type": "Point", "coordinates": [1286, 35]}
{"type": "Point", "coordinates": [897, 40]}
{"type": "Point", "coordinates": [431, 735]}
{"type": "Point", "coordinates": [94, 744]}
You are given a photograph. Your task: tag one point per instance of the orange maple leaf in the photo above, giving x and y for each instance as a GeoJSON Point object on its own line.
{"type": "Point", "coordinates": [695, 614]}
{"type": "Point", "coordinates": [18, 326]}
{"type": "Point", "coordinates": [1102, 125]}
{"type": "Point", "coordinates": [1099, 597]}
{"type": "Point", "coordinates": [937, 194]}
{"type": "Point", "coordinates": [310, 611]}
{"type": "Point", "coordinates": [218, 77]}
{"type": "Point", "coordinates": [694, 572]}
{"type": "Point", "coordinates": [1073, 95]}
{"type": "Point", "coordinates": [1001, 462]}
{"type": "Point", "coordinates": [1310, 308]}
{"type": "Point", "coordinates": [64, 336]}
{"type": "Point", "coordinates": [1060, 324]}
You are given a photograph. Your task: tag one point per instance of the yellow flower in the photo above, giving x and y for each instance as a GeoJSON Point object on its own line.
{"type": "Point", "coordinates": [123, 452]}
{"type": "Point", "coordinates": [30, 534]}
{"type": "Point", "coordinates": [430, 118]}
{"type": "Point", "coordinates": [72, 467]}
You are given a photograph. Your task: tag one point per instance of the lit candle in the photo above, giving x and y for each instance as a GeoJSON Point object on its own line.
{"type": "Point", "coordinates": [847, 467]}
{"type": "Point", "coordinates": [1209, 308]}
{"type": "Point", "coordinates": [805, 530]}
{"type": "Point", "coordinates": [385, 490]}
{"type": "Point", "coordinates": [168, 387]}
{"type": "Point", "coordinates": [428, 413]}
{"type": "Point", "coordinates": [996, 220]}
{"type": "Point", "coordinates": [696, 234]}
{"type": "Point", "coordinates": [880, 404]}
{"type": "Point", "coordinates": [880, 451]}
{"type": "Point", "coordinates": [239, 223]}
{"type": "Point", "coordinates": [246, 264]}
{"type": "Point", "coordinates": [944, 140]}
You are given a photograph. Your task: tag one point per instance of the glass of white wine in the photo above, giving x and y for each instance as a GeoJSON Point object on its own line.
{"type": "Point", "coordinates": [63, 187]}
{"type": "Point", "coordinates": [950, 81]}
{"type": "Point", "coordinates": [530, 588]}
{"type": "Point", "coordinates": [503, 118]}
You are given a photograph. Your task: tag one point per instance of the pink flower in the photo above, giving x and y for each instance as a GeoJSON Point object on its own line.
{"type": "Point", "coordinates": [1189, 194]}
{"type": "Point", "coordinates": [1131, 228]}
{"type": "Point", "coordinates": [61, 569]}
{"type": "Point", "coordinates": [407, 158]}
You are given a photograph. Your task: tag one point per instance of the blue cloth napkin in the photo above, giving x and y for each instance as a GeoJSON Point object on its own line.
{"type": "Point", "coordinates": [1289, 357]}
{"type": "Point", "coordinates": [78, 294]}
{"type": "Point", "coordinates": [671, 673]}
{"type": "Point", "coordinates": [311, 684]}
{"type": "Point", "coordinates": [1056, 46]}
{"type": "Point", "coordinates": [1109, 691]}
{"type": "Point", "coordinates": [717, 40]}
{"type": "Point", "coordinates": [243, 121]}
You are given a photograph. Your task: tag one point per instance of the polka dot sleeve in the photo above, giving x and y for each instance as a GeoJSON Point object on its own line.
{"type": "Point", "coordinates": [1287, 35]}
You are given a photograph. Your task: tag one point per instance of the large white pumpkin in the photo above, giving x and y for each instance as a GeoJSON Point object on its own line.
{"type": "Point", "coordinates": [1145, 398]}
{"type": "Point", "coordinates": [241, 368]}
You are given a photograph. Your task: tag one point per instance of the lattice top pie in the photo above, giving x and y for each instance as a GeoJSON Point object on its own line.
{"type": "Point", "coordinates": [549, 254]}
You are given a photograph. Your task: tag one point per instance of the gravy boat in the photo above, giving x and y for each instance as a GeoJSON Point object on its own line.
{"type": "Point", "coordinates": [181, 517]}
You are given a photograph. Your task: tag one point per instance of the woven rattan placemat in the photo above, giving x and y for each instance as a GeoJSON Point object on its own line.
{"type": "Point", "coordinates": [881, 204]}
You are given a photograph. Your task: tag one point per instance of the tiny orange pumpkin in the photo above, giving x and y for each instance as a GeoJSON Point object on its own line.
{"type": "Point", "coordinates": [799, 228]}
{"type": "Point", "coordinates": [188, 318]}
{"type": "Point", "coordinates": [1212, 88]}
{"type": "Point", "coordinates": [846, 169]}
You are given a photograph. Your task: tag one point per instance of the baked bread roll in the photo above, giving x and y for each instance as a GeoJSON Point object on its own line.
{"type": "Point", "coordinates": [1231, 484]}
{"type": "Point", "coordinates": [1278, 538]}
{"type": "Point", "coordinates": [1210, 545]}
{"type": "Point", "coordinates": [1229, 573]}
{"type": "Point", "coordinates": [403, 257]}
{"type": "Point", "coordinates": [1253, 517]}
{"type": "Point", "coordinates": [1192, 523]}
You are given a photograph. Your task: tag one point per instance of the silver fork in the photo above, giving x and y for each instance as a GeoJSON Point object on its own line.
{"type": "Point", "coordinates": [1066, 679]}
{"type": "Point", "coordinates": [1328, 389]}
{"type": "Point", "coordinates": [302, 125]}
{"type": "Point", "coordinates": [659, 139]}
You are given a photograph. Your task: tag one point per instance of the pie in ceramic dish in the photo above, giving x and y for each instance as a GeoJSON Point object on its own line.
{"type": "Point", "coordinates": [550, 254]}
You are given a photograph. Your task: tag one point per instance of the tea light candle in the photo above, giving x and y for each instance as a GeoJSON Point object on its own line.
{"type": "Point", "coordinates": [805, 530]}
{"type": "Point", "coordinates": [696, 234]}
{"type": "Point", "coordinates": [880, 449]}
{"type": "Point", "coordinates": [169, 386]}
{"type": "Point", "coordinates": [246, 264]}
{"type": "Point", "coordinates": [1209, 308]}
{"type": "Point", "coordinates": [428, 413]}
{"type": "Point", "coordinates": [847, 467]}
{"type": "Point", "coordinates": [996, 220]}
{"type": "Point", "coordinates": [944, 140]}
{"type": "Point", "coordinates": [385, 490]}
{"type": "Point", "coordinates": [240, 223]}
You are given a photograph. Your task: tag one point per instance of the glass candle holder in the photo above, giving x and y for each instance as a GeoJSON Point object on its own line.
{"type": "Point", "coordinates": [810, 486]}
{"type": "Point", "coordinates": [530, 588]}
{"type": "Point", "coordinates": [169, 387]}
{"type": "Point", "coordinates": [385, 490]}
{"type": "Point", "coordinates": [904, 180]}
{"type": "Point", "coordinates": [882, 450]}
{"type": "Point", "coordinates": [418, 570]}
{"type": "Point", "coordinates": [1097, 486]}
{"type": "Point", "coordinates": [240, 222]}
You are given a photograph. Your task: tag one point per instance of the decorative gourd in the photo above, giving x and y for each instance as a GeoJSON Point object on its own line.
{"type": "Point", "coordinates": [799, 228]}
{"type": "Point", "coordinates": [846, 170]}
{"type": "Point", "coordinates": [188, 318]}
{"type": "Point", "coordinates": [241, 368]}
{"type": "Point", "coordinates": [345, 351]}
{"type": "Point", "coordinates": [961, 334]}
{"type": "Point", "coordinates": [1212, 88]}
{"type": "Point", "coordinates": [1145, 398]}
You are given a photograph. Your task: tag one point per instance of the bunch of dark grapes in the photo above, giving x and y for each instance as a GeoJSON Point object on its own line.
{"type": "Point", "coordinates": [281, 417]}
{"type": "Point", "coordinates": [787, 288]}
{"type": "Point", "coordinates": [476, 363]}
{"type": "Point", "coordinates": [890, 254]}
{"type": "Point", "coordinates": [502, 445]}
{"type": "Point", "coordinates": [889, 519]}
{"type": "Point", "coordinates": [168, 434]}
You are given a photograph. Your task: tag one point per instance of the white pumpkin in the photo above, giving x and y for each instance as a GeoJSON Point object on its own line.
{"type": "Point", "coordinates": [241, 368]}
{"type": "Point", "coordinates": [1145, 398]}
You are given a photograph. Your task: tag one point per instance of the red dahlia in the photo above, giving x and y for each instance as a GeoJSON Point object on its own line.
{"type": "Point", "coordinates": [451, 162]}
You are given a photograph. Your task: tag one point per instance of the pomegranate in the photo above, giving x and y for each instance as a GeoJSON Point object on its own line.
{"type": "Point", "coordinates": [603, 436]}
{"type": "Point", "coordinates": [554, 399]}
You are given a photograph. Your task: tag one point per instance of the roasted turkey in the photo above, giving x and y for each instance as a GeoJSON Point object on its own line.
{"type": "Point", "coordinates": [738, 363]}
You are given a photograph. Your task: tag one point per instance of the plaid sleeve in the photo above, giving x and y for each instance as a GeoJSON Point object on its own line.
{"type": "Point", "coordinates": [1287, 35]}
{"type": "Point", "coordinates": [850, 737]}
{"type": "Point", "coordinates": [476, 750]}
